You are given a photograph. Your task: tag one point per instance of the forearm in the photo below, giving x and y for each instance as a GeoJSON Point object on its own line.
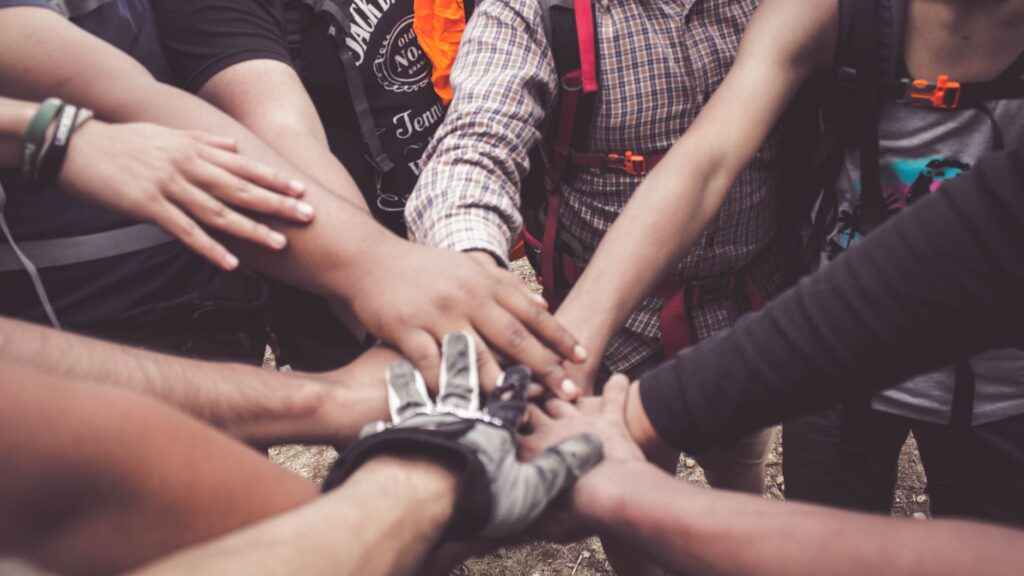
{"type": "Point", "coordinates": [87, 466]}
{"type": "Point", "coordinates": [937, 283]}
{"type": "Point", "coordinates": [784, 43]}
{"type": "Point", "coordinates": [267, 97]}
{"type": "Point", "coordinates": [674, 204]}
{"type": "Point", "coordinates": [15, 116]}
{"type": "Point", "coordinates": [322, 257]}
{"type": "Point", "coordinates": [383, 520]}
{"type": "Point", "coordinates": [252, 404]}
{"type": "Point", "coordinates": [699, 531]}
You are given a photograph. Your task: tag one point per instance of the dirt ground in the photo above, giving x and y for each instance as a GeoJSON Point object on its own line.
{"type": "Point", "coordinates": [586, 558]}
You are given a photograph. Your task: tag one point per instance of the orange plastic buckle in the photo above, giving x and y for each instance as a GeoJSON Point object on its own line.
{"type": "Point", "coordinates": [634, 164]}
{"type": "Point", "coordinates": [943, 94]}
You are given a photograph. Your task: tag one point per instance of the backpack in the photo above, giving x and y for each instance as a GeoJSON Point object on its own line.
{"type": "Point", "coordinates": [867, 75]}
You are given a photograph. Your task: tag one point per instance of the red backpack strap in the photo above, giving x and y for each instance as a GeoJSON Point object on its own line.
{"type": "Point", "coordinates": [587, 40]}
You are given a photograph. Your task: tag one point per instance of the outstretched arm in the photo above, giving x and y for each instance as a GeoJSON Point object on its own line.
{"type": "Point", "coordinates": [383, 520]}
{"type": "Point", "coordinates": [785, 42]}
{"type": "Point", "coordinates": [235, 56]}
{"type": "Point", "coordinates": [939, 282]}
{"type": "Point", "coordinates": [693, 530]}
{"type": "Point", "coordinates": [698, 531]}
{"type": "Point", "coordinates": [257, 406]}
{"type": "Point", "coordinates": [409, 296]}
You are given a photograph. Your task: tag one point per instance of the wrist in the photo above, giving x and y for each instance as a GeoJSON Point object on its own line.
{"type": "Point", "coordinates": [642, 430]}
{"type": "Point", "coordinates": [427, 485]}
{"type": "Point", "coordinates": [602, 495]}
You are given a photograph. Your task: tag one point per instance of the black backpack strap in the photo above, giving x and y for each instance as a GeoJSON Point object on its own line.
{"type": "Point", "coordinates": [296, 20]}
{"type": "Point", "coordinates": [866, 41]}
{"type": "Point", "coordinates": [339, 16]}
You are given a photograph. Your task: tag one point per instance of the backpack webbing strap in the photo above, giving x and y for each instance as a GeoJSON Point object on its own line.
{"type": "Point", "coordinates": [866, 42]}
{"type": "Point", "coordinates": [27, 264]}
{"type": "Point", "coordinates": [356, 88]}
{"type": "Point", "coordinates": [586, 38]}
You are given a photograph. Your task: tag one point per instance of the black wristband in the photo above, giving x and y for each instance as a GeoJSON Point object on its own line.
{"type": "Point", "coordinates": [57, 149]}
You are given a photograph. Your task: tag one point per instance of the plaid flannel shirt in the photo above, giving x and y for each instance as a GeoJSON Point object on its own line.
{"type": "Point", "coordinates": [659, 62]}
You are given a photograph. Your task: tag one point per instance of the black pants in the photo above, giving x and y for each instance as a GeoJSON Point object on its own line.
{"type": "Point", "coordinates": [848, 456]}
{"type": "Point", "coordinates": [235, 318]}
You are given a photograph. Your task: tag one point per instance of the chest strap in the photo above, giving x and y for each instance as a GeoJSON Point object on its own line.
{"type": "Point", "coordinates": [87, 248]}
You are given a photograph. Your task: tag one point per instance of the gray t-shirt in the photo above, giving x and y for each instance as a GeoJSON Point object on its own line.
{"type": "Point", "coordinates": [920, 149]}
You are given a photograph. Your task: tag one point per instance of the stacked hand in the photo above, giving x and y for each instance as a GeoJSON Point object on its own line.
{"type": "Point", "coordinates": [410, 296]}
{"type": "Point", "coordinates": [179, 180]}
{"type": "Point", "coordinates": [499, 494]}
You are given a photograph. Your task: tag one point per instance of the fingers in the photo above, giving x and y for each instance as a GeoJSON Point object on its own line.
{"type": "Point", "coordinates": [247, 184]}
{"type": "Point", "coordinates": [508, 401]}
{"type": "Point", "coordinates": [559, 466]}
{"type": "Point", "coordinates": [421, 349]}
{"type": "Point", "coordinates": [538, 418]}
{"type": "Point", "coordinates": [613, 400]}
{"type": "Point", "coordinates": [560, 408]}
{"type": "Point", "coordinates": [504, 331]}
{"type": "Point", "coordinates": [407, 393]}
{"type": "Point", "coordinates": [459, 385]}
{"type": "Point", "coordinates": [487, 365]}
{"type": "Point", "coordinates": [178, 224]}
{"type": "Point", "coordinates": [222, 142]}
{"type": "Point", "coordinates": [217, 215]}
{"type": "Point", "coordinates": [526, 307]}
{"type": "Point", "coordinates": [225, 155]}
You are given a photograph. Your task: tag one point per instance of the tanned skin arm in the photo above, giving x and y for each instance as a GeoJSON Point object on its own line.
{"type": "Point", "coordinates": [261, 407]}
{"type": "Point", "coordinates": [410, 296]}
{"type": "Point", "coordinates": [383, 520]}
{"type": "Point", "coordinates": [785, 42]}
{"type": "Point", "coordinates": [697, 531]}
{"type": "Point", "coordinates": [267, 97]}
{"type": "Point", "coordinates": [98, 480]}
{"type": "Point", "coordinates": [692, 530]}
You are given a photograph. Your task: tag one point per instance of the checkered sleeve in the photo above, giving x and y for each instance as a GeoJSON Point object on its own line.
{"type": "Point", "coordinates": [504, 83]}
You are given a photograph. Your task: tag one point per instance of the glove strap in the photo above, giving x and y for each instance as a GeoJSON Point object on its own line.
{"type": "Point", "coordinates": [473, 503]}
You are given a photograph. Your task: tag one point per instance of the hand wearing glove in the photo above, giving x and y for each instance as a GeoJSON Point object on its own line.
{"type": "Point", "coordinates": [498, 494]}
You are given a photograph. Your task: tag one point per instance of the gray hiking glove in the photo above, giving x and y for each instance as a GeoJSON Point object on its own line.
{"type": "Point", "coordinates": [498, 495]}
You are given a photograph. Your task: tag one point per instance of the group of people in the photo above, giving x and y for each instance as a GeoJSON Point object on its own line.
{"type": "Point", "coordinates": [187, 184]}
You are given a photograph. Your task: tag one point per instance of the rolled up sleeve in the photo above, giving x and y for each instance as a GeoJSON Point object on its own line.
{"type": "Point", "coordinates": [505, 84]}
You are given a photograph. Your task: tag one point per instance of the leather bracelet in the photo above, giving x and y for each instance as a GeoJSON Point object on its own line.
{"type": "Point", "coordinates": [51, 160]}
{"type": "Point", "coordinates": [36, 134]}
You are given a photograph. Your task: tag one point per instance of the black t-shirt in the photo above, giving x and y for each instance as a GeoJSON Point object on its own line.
{"type": "Point", "coordinates": [91, 292]}
{"type": "Point", "coordinates": [203, 37]}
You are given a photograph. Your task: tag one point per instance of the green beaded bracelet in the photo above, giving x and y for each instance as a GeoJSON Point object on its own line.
{"type": "Point", "coordinates": [36, 134]}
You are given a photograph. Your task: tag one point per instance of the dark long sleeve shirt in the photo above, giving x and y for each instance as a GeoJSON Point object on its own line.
{"type": "Point", "coordinates": [941, 281]}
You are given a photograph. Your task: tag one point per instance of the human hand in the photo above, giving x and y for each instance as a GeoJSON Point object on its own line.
{"type": "Point", "coordinates": [601, 416]}
{"type": "Point", "coordinates": [179, 180]}
{"type": "Point", "coordinates": [499, 494]}
{"type": "Point", "coordinates": [410, 296]}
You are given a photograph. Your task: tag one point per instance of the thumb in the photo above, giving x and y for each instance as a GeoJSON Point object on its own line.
{"type": "Point", "coordinates": [566, 461]}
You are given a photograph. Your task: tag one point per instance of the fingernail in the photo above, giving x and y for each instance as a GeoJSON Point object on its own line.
{"type": "Point", "coordinates": [231, 261]}
{"type": "Point", "coordinates": [278, 239]}
{"type": "Point", "coordinates": [580, 352]}
{"type": "Point", "coordinates": [540, 299]}
{"type": "Point", "coordinates": [297, 186]}
{"type": "Point", "coordinates": [569, 388]}
{"type": "Point", "coordinates": [304, 210]}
